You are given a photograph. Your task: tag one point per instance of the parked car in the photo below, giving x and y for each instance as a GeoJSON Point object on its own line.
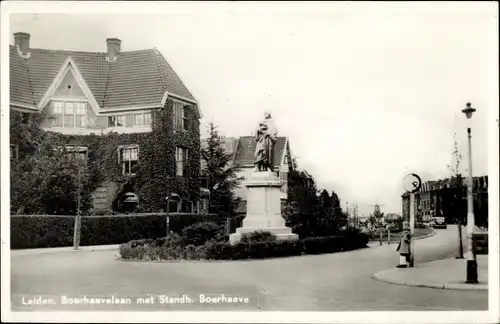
{"type": "Point", "coordinates": [438, 222]}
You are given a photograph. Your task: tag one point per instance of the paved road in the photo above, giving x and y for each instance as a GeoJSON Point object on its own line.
{"type": "Point", "coordinates": [332, 282]}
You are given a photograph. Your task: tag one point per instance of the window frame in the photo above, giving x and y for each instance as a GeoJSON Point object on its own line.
{"type": "Point", "coordinates": [180, 122]}
{"type": "Point", "coordinates": [63, 113]}
{"type": "Point", "coordinates": [182, 153]}
{"type": "Point", "coordinates": [143, 114]}
{"type": "Point", "coordinates": [117, 117]}
{"type": "Point", "coordinates": [123, 162]}
{"type": "Point", "coordinates": [71, 149]}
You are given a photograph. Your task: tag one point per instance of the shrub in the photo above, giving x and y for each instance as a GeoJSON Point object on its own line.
{"type": "Point", "coordinates": [219, 250]}
{"type": "Point", "coordinates": [201, 232]}
{"type": "Point", "coordinates": [51, 231]}
{"type": "Point", "coordinates": [258, 236]}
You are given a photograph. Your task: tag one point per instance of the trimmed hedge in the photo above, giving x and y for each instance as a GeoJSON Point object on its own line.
{"type": "Point", "coordinates": [219, 250]}
{"type": "Point", "coordinates": [49, 231]}
{"type": "Point", "coordinates": [258, 236]}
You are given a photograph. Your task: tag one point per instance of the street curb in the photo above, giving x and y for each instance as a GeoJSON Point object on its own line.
{"type": "Point", "coordinates": [376, 243]}
{"type": "Point", "coordinates": [451, 286]}
{"type": "Point", "coordinates": [426, 236]}
{"type": "Point", "coordinates": [26, 252]}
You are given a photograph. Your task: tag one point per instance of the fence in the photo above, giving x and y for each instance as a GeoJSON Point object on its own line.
{"type": "Point", "coordinates": [36, 231]}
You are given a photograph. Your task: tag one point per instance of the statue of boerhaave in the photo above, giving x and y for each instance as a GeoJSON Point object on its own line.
{"type": "Point", "coordinates": [265, 138]}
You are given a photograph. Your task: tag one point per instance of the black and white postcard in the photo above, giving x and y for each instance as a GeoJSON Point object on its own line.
{"type": "Point", "coordinates": [227, 161]}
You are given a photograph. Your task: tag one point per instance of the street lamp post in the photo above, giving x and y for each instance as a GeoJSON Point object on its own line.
{"type": "Point", "coordinates": [78, 218]}
{"type": "Point", "coordinates": [471, 256]}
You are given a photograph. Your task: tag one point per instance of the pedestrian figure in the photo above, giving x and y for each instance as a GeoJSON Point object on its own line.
{"type": "Point", "coordinates": [404, 247]}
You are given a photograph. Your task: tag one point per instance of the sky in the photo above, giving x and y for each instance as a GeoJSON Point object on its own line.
{"type": "Point", "coordinates": [366, 93]}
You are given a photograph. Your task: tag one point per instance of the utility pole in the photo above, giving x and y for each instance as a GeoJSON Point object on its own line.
{"type": "Point", "coordinates": [412, 229]}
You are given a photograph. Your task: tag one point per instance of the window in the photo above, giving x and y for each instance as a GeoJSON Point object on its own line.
{"type": "Point", "coordinates": [77, 153]}
{"type": "Point", "coordinates": [204, 182]}
{"type": "Point", "coordinates": [25, 118]}
{"type": "Point", "coordinates": [180, 120]}
{"type": "Point", "coordinates": [69, 114]}
{"type": "Point", "coordinates": [116, 121]}
{"type": "Point", "coordinates": [128, 156]}
{"type": "Point", "coordinates": [57, 111]}
{"type": "Point", "coordinates": [142, 119]}
{"type": "Point", "coordinates": [13, 152]}
{"type": "Point", "coordinates": [180, 160]}
{"type": "Point", "coordinates": [147, 118]}
{"type": "Point", "coordinates": [139, 119]}
{"type": "Point", "coordinates": [80, 112]}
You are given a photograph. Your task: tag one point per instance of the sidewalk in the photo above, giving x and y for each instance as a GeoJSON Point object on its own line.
{"type": "Point", "coordinates": [64, 249]}
{"type": "Point", "coordinates": [443, 274]}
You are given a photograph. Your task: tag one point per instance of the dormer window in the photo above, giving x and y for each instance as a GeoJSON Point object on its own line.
{"type": "Point", "coordinates": [69, 114]}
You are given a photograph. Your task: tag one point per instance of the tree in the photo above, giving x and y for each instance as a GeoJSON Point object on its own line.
{"type": "Point", "coordinates": [339, 215]}
{"type": "Point", "coordinates": [303, 203]}
{"type": "Point", "coordinates": [457, 203]}
{"type": "Point", "coordinates": [378, 215]}
{"type": "Point", "coordinates": [222, 178]}
{"type": "Point", "coordinates": [50, 181]}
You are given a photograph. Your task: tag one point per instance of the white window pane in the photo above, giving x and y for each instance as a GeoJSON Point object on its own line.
{"type": "Point", "coordinates": [80, 121]}
{"type": "Point", "coordinates": [126, 154]}
{"type": "Point", "coordinates": [120, 120]}
{"type": "Point", "coordinates": [133, 154]}
{"type": "Point", "coordinates": [57, 107]}
{"type": "Point", "coordinates": [147, 119]}
{"type": "Point", "coordinates": [69, 121]}
{"type": "Point", "coordinates": [69, 108]}
{"type": "Point", "coordinates": [138, 119]}
{"type": "Point", "coordinates": [57, 121]}
{"type": "Point", "coordinates": [80, 108]}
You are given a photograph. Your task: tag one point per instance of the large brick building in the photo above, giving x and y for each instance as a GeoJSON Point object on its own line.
{"type": "Point", "coordinates": [84, 94]}
{"type": "Point", "coordinates": [445, 198]}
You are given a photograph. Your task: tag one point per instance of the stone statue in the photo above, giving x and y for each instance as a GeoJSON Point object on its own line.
{"type": "Point", "coordinates": [265, 137]}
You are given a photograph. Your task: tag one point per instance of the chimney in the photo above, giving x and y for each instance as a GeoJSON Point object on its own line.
{"type": "Point", "coordinates": [22, 42]}
{"type": "Point", "coordinates": [113, 48]}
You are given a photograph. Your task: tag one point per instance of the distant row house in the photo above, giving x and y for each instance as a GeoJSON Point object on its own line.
{"type": "Point", "coordinates": [444, 198]}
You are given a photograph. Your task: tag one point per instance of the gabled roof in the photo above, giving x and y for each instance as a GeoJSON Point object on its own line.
{"type": "Point", "coordinates": [228, 143]}
{"type": "Point", "coordinates": [136, 78]}
{"type": "Point", "coordinates": [246, 149]}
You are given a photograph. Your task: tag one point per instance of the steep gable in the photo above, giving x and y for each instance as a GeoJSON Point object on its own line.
{"type": "Point", "coordinates": [136, 79]}
{"type": "Point", "coordinates": [69, 87]}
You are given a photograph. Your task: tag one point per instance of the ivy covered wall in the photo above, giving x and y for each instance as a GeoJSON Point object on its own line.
{"type": "Point", "coordinates": [156, 176]}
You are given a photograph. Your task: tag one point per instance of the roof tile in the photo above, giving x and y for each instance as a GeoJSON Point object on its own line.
{"type": "Point", "coordinates": [135, 78]}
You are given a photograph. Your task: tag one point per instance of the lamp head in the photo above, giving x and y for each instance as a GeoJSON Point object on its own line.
{"type": "Point", "coordinates": [468, 110]}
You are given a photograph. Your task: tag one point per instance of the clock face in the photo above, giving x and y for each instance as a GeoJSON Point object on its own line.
{"type": "Point", "coordinates": [412, 183]}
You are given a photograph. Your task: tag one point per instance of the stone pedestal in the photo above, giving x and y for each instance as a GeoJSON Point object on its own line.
{"type": "Point", "coordinates": [264, 208]}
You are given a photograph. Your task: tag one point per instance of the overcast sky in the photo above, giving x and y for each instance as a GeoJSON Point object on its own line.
{"type": "Point", "coordinates": [365, 92]}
